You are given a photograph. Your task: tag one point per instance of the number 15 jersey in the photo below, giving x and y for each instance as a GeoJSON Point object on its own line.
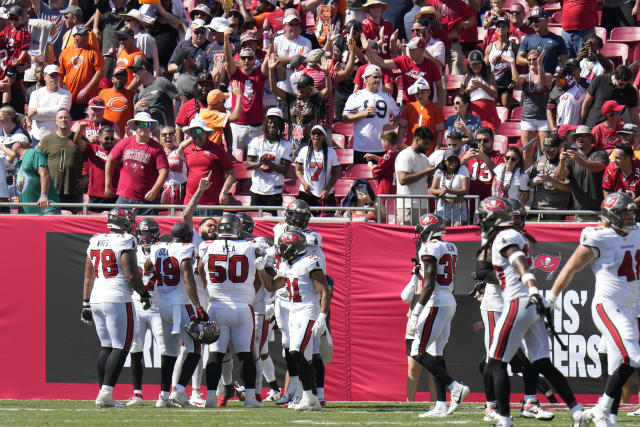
{"type": "Point", "coordinates": [110, 284]}
{"type": "Point", "coordinates": [229, 267]}
{"type": "Point", "coordinates": [445, 255]}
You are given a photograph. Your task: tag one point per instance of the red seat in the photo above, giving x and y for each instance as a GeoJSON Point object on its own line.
{"type": "Point", "coordinates": [516, 114]}
{"type": "Point", "coordinates": [517, 95]}
{"type": "Point", "coordinates": [448, 110]}
{"type": "Point", "coordinates": [511, 130]}
{"type": "Point", "coordinates": [342, 128]}
{"type": "Point", "coordinates": [552, 7]}
{"type": "Point", "coordinates": [601, 32]}
{"type": "Point", "coordinates": [343, 186]}
{"type": "Point", "coordinates": [358, 171]}
{"type": "Point", "coordinates": [454, 82]}
{"type": "Point", "coordinates": [242, 172]}
{"type": "Point", "coordinates": [556, 18]}
{"type": "Point", "coordinates": [618, 53]}
{"type": "Point", "coordinates": [628, 35]}
{"type": "Point", "coordinates": [503, 113]}
{"type": "Point", "coordinates": [345, 156]}
{"type": "Point", "coordinates": [339, 140]}
{"type": "Point", "coordinates": [500, 143]}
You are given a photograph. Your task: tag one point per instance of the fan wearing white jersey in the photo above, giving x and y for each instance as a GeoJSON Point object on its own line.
{"type": "Point", "coordinates": [177, 299]}
{"type": "Point", "coordinates": [522, 311]}
{"type": "Point", "coordinates": [148, 233]}
{"type": "Point", "coordinates": [432, 315]}
{"type": "Point", "coordinates": [227, 264]}
{"type": "Point", "coordinates": [309, 300]}
{"type": "Point", "coordinates": [110, 276]}
{"type": "Point", "coordinates": [613, 251]}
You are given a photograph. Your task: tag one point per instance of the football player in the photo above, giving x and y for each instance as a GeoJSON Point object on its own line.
{"type": "Point", "coordinates": [431, 316]}
{"type": "Point", "coordinates": [177, 299]}
{"type": "Point", "coordinates": [148, 233]}
{"type": "Point", "coordinates": [110, 274]}
{"type": "Point", "coordinates": [613, 251]}
{"type": "Point", "coordinates": [521, 316]}
{"type": "Point", "coordinates": [227, 265]}
{"type": "Point", "coordinates": [309, 300]}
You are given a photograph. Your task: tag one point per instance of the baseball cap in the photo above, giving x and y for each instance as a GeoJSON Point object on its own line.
{"type": "Point", "coordinates": [216, 96]}
{"type": "Point", "coordinates": [455, 134]}
{"type": "Point", "coordinates": [200, 8]}
{"type": "Point", "coordinates": [565, 129]}
{"type": "Point", "coordinates": [611, 106]}
{"type": "Point", "coordinates": [204, 76]}
{"type": "Point", "coordinates": [583, 130]}
{"type": "Point", "coordinates": [96, 102]}
{"type": "Point", "coordinates": [559, 71]}
{"type": "Point", "coordinates": [218, 24]}
{"type": "Point", "coordinates": [126, 32]}
{"type": "Point", "coordinates": [475, 57]}
{"type": "Point", "coordinates": [51, 69]}
{"type": "Point", "coordinates": [275, 112]}
{"type": "Point", "coordinates": [248, 35]}
{"type": "Point", "coordinates": [16, 10]}
{"type": "Point", "coordinates": [448, 153]}
{"type": "Point", "coordinates": [538, 13]}
{"type": "Point", "coordinates": [291, 17]}
{"type": "Point", "coordinates": [371, 70]}
{"type": "Point", "coordinates": [141, 63]}
{"type": "Point", "coordinates": [80, 29]}
{"type": "Point", "coordinates": [550, 142]}
{"type": "Point", "coordinates": [197, 23]}
{"type": "Point", "coordinates": [18, 137]}
{"type": "Point", "coordinates": [420, 84]}
{"type": "Point", "coordinates": [416, 43]}
{"type": "Point", "coordinates": [120, 70]}
{"type": "Point", "coordinates": [502, 21]}
{"type": "Point", "coordinates": [74, 10]}
{"type": "Point", "coordinates": [628, 129]}
{"type": "Point", "coordinates": [320, 129]}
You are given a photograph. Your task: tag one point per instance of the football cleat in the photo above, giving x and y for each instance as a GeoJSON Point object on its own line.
{"type": "Point", "coordinates": [581, 418]}
{"type": "Point", "coordinates": [599, 416]}
{"type": "Point", "coordinates": [435, 412]}
{"type": "Point", "coordinates": [457, 396]}
{"type": "Point", "coordinates": [532, 409]}
{"type": "Point", "coordinates": [105, 400]}
{"type": "Point", "coordinates": [272, 395]}
{"type": "Point", "coordinates": [284, 399]}
{"type": "Point", "coordinates": [251, 402]}
{"type": "Point", "coordinates": [180, 398]}
{"type": "Point", "coordinates": [135, 400]}
{"type": "Point", "coordinates": [634, 413]}
{"type": "Point", "coordinates": [504, 422]}
{"type": "Point", "coordinates": [308, 403]}
{"type": "Point", "coordinates": [221, 402]}
{"type": "Point", "coordinates": [490, 414]}
{"type": "Point", "coordinates": [165, 403]}
{"type": "Point", "coordinates": [196, 399]}
{"type": "Point", "coordinates": [240, 394]}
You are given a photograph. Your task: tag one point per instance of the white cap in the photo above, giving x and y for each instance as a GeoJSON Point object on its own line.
{"type": "Point", "coordinates": [275, 111]}
{"type": "Point", "coordinates": [218, 24]}
{"type": "Point", "coordinates": [4, 13]}
{"type": "Point", "coordinates": [419, 84]}
{"type": "Point", "coordinates": [371, 70]}
{"type": "Point", "coordinates": [197, 23]}
{"type": "Point", "coordinates": [196, 123]}
{"type": "Point", "coordinates": [18, 137]}
{"type": "Point", "coordinates": [51, 68]}
{"type": "Point", "coordinates": [291, 17]}
{"type": "Point", "coordinates": [320, 128]}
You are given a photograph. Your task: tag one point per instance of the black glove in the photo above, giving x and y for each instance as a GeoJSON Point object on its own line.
{"type": "Point", "coordinates": [478, 288]}
{"type": "Point", "coordinates": [202, 314]}
{"type": "Point", "coordinates": [87, 315]}
{"type": "Point", "coordinates": [145, 299]}
{"type": "Point", "coordinates": [536, 300]}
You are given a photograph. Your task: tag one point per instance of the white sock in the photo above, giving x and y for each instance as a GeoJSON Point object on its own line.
{"type": "Point", "coordinates": [268, 370]}
{"type": "Point", "coordinates": [164, 395]}
{"type": "Point", "coordinates": [195, 391]}
{"type": "Point", "coordinates": [137, 392]}
{"type": "Point", "coordinates": [613, 419]}
{"type": "Point", "coordinates": [453, 385]}
{"type": "Point", "coordinates": [605, 402]}
{"type": "Point", "coordinates": [492, 404]}
{"type": "Point", "coordinates": [250, 394]}
{"type": "Point", "coordinates": [196, 378]}
{"type": "Point", "coordinates": [179, 388]}
{"type": "Point", "coordinates": [308, 394]}
{"type": "Point", "coordinates": [576, 409]}
{"type": "Point", "coordinates": [177, 368]}
{"type": "Point", "coordinates": [440, 404]}
{"type": "Point", "coordinates": [106, 388]}
{"type": "Point", "coordinates": [258, 375]}
{"type": "Point", "coordinates": [320, 391]}
{"type": "Point", "coordinates": [529, 397]}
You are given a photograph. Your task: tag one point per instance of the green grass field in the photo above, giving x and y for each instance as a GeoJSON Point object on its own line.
{"type": "Point", "coordinates": [64, 412]}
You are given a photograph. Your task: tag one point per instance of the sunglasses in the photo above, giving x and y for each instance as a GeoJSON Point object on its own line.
{"type": "Point", "coordinates": [122, 39]}
{"type": "Point", "coordinates": [108, 138]}
{"type": "Point", "coordinates": [317, 133]}
{"type": "Point", "coordinates": [483, 140]}
{"type": "Point", "coordinates": [293, 24]}
{"type": "Point", "coordinates": [144, 125]}
{"type": "Point", "coordinates": [199, 32]}
{"type": "Point", "coordinates": [452, 159]}
{"type": "Point", "coordinates": [515, 12]}
{"type": "Point", "coordinates": [14, 18]}
{"type": "Point", "coordinates": [193, 132]}
{"type": "Point", "coordinates": [247, 58]}
{"type": "Point", "coordinates": [511, 159]}
{"type": "Point", "coordinates": [614, 113]}
{"type": "Point", "coordinates": [167, 135]}
{"type": "Point", "coordinates": [534, 20]}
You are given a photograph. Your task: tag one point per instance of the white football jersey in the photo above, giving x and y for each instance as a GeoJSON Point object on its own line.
{"type": "Point", "coordinates": [297, 278]}
{"type": "Point", "coordinates": [230, 270]}
{"type": "Point", "coordinates": [617, 264]}
{"type": "Point", "coordinates": [167, 258]}
{"type": "Point", "coordinates": [148, 278]}
{"type": "Point", "coordinates": [492, 298]}
{"type": "Point", "coordinates": [261, 293]}
{"type": "Point", "coordinates": [509, 278]}
{"type": "Point", "coordinates": [314, 242]}
{"type": "Point", "coordinates": [267, 180]}
{"type": "Point", "coordinates": [446, 255]}
{"type": "Point", "coordinates": [110, 284]}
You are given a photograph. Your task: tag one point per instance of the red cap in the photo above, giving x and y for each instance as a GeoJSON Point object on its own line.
{"type": "Point", "coordinates": [96, 102]}
{"type": "Point", "coordinates": [611, 106]}
{"type": "Point", "coordinates": [564, 129]}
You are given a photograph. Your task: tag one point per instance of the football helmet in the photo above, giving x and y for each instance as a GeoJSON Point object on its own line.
{"type": "Point", "coordinates": [519, 213]}
{"type": "Point", "coordinates": [247, 225]}
{"type": "Point", "coordinates": [148, 232]}
{"type": "Point", "coordinates": [121, 219]}
{"type": "Point", "coordinates": [613, 208]}
{"type": "Point", "coordinates": [292, 245]}
{"type": "Point", "coordinates": [206, 332]}
{"type": "Point", "coordinates": [230, 226]}
{"type": "Point", "coordinates": [494, 212]}
{"type": "Point", "coordinates": [298, 214]}
{"type": "Point", "coordinates": [430, 226]}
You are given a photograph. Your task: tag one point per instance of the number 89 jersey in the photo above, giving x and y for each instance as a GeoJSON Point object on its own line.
{"type": "Point", "coordinates": [297, 279]}
{"type": "Point", "coordinates": [167, 258]}
{"type": "Point", "coordinates": [617, 264]}
{"type": "Point", "coordinates": [230, 271]}
{"type": "Point", "coordinates": [445, 255]}
{"type": "Point", "coordinates": [104, 251]}
{"type": "Point", "coordinates": [508, 276]}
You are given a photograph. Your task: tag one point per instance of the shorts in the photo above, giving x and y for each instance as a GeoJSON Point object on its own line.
{"type": "Point", "coordinates": [236, 324]}
{"type": "Point", "coordinates": [147, 320]}
{"type": "Point", "coordinates": [533, 124]}
{"type": "Point", "coordinates": [619, 327]}
{"type": "Point", "coordinates": [408, 345]}
{"type": "Point", "coordinates": [115, 323]}
{"type": "Point", "coordinates": [452, 211]}
{"type": "Point", "coordinates": [243, 134]}
{"type": "Point", "coordinates": [173, 331]}
{"type": "Point", "coordinates": [432, 332]}
{"type": "Point", "coordinates": [301, 323]}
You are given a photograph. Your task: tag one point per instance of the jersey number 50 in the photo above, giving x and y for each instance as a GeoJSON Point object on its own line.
{"type": "Point", "coordinates": [238, 268]}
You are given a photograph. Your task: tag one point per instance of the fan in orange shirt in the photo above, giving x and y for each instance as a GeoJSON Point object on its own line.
{"type": "Point", "coordinates": [422, 112]}
{"type": "Point", "coordinates": [129, 52]}
{"type": "Point", "coordinates": [118, 100]}
{"type": "Point", "coordinates": [73, 16]}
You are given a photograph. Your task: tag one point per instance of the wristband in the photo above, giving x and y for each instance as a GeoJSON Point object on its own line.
{"type": "Point", "coordinates": [533, 291]}
{"type": "Point", "coordinates": [528, 276]}
{"type": "Point", "coordinates": [551, 297]}
{"type": "Point", "coordinates": [44, 195]}
{"type": "Point", "coordinates": [85, 304]}
{"type": "Point", "coordinates": [417, 309]}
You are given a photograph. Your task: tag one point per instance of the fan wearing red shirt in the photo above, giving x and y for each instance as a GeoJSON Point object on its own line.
{"type": "Point", "coordinates": [380, 31]}
{"type": "Point", "coordinates": [385, 168]}
{"type": "Point", "coordinates": [623, 173]}
{"type": "Point", "coordinates": [579, 18]}
{"type": "Point", "coordinates": [456, 17]}
{"type": "Point", "coordinates": [17, 39]}
{"type": "Point", "coordinates": [606, 133]}
{"type": "Point", "coordinates": [204, 85]}
{"type": "Point", "coordinates": [413, 67]}
{"type": "Point", "coordinates": [144, 165]}
{"type": "Point", "coordinates": [481, 162]}
{"type": "Point", "coordinates": [206, 159]}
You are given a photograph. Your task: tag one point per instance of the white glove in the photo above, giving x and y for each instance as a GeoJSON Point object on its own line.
{"type": "Point", "coordinates": [413, 322]}
{"type": "Point", "coordinates": [283, 293]}
{"type": "Point", "coordinates": [552, 299]}
{"type": "Point", "coordinates": [260, 262]}
{"type": "Point", "coordinates": [320, 327]}
{"type": "Point", "coordinates": [269, 312]}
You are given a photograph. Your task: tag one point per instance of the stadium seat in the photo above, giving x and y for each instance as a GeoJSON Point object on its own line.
{"type": "Point", "coordinates": [601, 32]}
{"type": "Point", "coordinates": [500, 143]}
{"type": "Point", "coordinates": [345, 156]}
{"type": "Point", "coordinates": [618, 53]}
{"type": "Point", "coordinates": [345, 129]}
{"type": "Point", "coordinates": [503, 113]}
{"type": "Point", "coordinates": [339, 141]}
{"type": "Point", "coordinates": [242, 172]}
{"type": "Point", "coordinates": [516, 114]}
{"type": "Point", "coordinates": [510, 130]}
{"type": "Point", "coordinates": [454, 82]}
{"type": "Point", "coordinates": [629, 36]}
{"type": "Point", "coordinates": [448, 110]}
{"type": "Point", "coordinates": [358, 171]}
{"type": "Point", "coordinates": [237, 155]}
{"type": "Point", "coordinates": [556, 19]}
{"type": "Point", "coordinates": [343, 186]}
{"type": "Point", "coordinates": [552, 7]}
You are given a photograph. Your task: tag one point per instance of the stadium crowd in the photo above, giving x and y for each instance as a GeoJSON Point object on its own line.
{"type": "Point", "coordinates": [120, 102]}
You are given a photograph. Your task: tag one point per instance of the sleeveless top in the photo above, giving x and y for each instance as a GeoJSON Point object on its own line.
{"type": "Point", "coordinates": [501, 69]}
{"type": "Point", "coordinates": [534, 100]}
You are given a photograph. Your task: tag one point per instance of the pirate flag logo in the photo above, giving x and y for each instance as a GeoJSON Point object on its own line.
{"type": "Point", "coordinates": [548, 264]}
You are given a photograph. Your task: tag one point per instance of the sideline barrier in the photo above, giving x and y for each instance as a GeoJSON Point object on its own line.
{"type": "Point", "coordinates": [48, 354]}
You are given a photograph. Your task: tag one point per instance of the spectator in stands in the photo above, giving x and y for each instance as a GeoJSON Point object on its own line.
{"type": "Point", "coordinates": [145, 170]}
{"type": "Point", "coordinates": [10, 124]}
{"type": "Point", "coordinates": [510, 180]}
{"type": "Point", "coordinates": [106, 21]}
{"type": "Point", "coordinates": [186, 76]}
{"type": "Point", "coordinates": [630, 135]}
{"type": "Point", "coordinates": [318, 170]}
{"type": "Point", "coordinates": [623, 173]}
{"type": "Point", "coordinates": [584, 168]}
{"type": "Point", "coordinates": [592, 62]}
{"type": "Point", "coordinates": [435, 48]}
{"type": "Point", "coordinates": [463, 120]}
{"type": "Point", "coordinates": [345, 88]}
{"type": "Point", "coordinates": [64, 159]}
{"type": "Point", "coordinates": [196, 44]}
{"type": "Point", "coordinates": [480, 161]}
{"type": "Point", "coordinates": [547, 195]}
{"type": "Point", "coordinates": [491, 16]}
{"type": "Point", "coordinates": [579, 19]}
{"type": "Point", "coordinates": [118, 101]}
{"type": "Point", "coordinates": [542, 40]}
{"type": "Point", "coordinates": [33, 181]}
{"type": "Point", "coordinates": [536, 86]}
{"type": "Point", "coordinates": [173, 189]}
{"type": "Point", "coordinates": [270, 157]}
{"type": "Point", "coordinates": [38, 75]}
{"type": "Point", "coordinates": [616, 87]}
{"type": "Point", "coordinates": [128, 55]}
{"type": "Point", "coordinates": [383, 167]}
{"type": "Point", "coordinates": [17, 39]}
{"type": "Point", "coordinates": [217, 118]}
{"type": "Point", "coordinates": [361, 195]}
{"type": "Point", "coordinates": [81, 76]}
{"type": "Point", "coordinates": [454, 142]}
{"type": "Point", "coordinates": [6, 168]}
{"type": "Point", "coordinates": [155, 95]}
{"type": "Point", "coordinates": [201, 11]}
{"type": "Point", "coordinates": [412, 172]}
{"type": "Point", "coordinates": [565, 100]}
{"type": "Point", "coordinates": [450, 184]}
{"type": "Point", "coordinates": [275, 20]}
{"type": "Point", "coordinates": [459, 17]}
{"type": "Point", "coordinates": [481, 85]}
{"type": "Point", "coordinates": [135, 21]}
{"type": "Point", "coordinates": [212, 59]}
{"type": "Point", "coordinates": [619, 13]}
{"type": "Point", "coordinates": [422, 112]}
{"type": "Point", "coordinates": [95, 120]}
{"type": "Point", "coordinates": [500, 69]}
{"type": "Point", "coordinates": [370, 110]}
{"type": "Point", "coordinates": [45, 103]}
{"type": "Point", "coordinates": [606, 133]}
{"type": "Point", "coordinates": [380, 34]}
{"type": "Point", "coordinates": [289, 44]}
{"type": "Point", "coordinates": [252, 81]}
{"type": "Point", "coordinates": [96, 155]}
{"type": "Point", "coordinates": [168, 28]}
{"type": "Point", "coordinates": [204, 85]}
{"type": "Point", "coordinates": [409, 17]}
{"type": "Point", "coordinates": [429, 17]}
{"type": "Point", "coordinates": [305, 107]}
{"type": "Point", "coordinates": [518, 29]}
{"type": "Point", "coordinates": [73, 16]}
{"type": "Point", "coordinates": [204, 158]}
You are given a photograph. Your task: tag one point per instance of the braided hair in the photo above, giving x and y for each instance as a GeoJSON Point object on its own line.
{"type": "Point", "coordinates": [484, 249]}
{"type": "Point", "coordinates": [311, 152]}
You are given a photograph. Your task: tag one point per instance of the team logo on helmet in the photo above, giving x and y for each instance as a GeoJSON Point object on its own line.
{"type": "Point", "coordinates": [493, 204]}
{"type": "Point", "coordinates": [290, 238]}
{"type": "Point", "coordinates": [548, 264]}
{"type": "Point", "coordinates": [428, 219]}
{"type": "Point", "coordinates": [610, 201]}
